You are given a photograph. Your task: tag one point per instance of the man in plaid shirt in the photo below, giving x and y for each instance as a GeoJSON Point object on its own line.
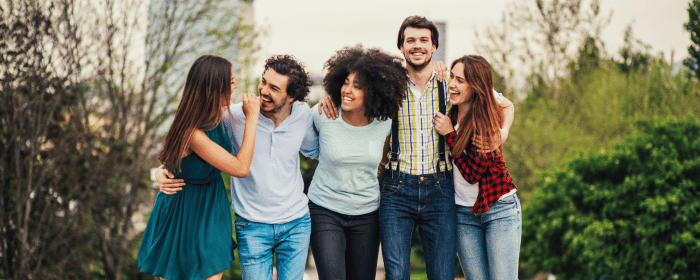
{"type": "Point", "coordinates": [418, 194]}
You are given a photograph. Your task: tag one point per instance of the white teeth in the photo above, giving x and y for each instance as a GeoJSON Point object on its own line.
{"type": "Point", "coordinates": [453, 92]}
{"type": "Point", "coordinates": [347, 99]}
{"type": "Point", "coordinates": [265, 99]}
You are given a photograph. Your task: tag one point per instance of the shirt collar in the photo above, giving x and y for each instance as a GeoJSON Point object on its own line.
{"type": "Point", "coordinates": [433, 76]}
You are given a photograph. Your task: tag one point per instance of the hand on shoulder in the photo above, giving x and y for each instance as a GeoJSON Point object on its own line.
{"type": "Point", "coordinates": [327, 107]}
{"type": "Point", "coordinates": [320, 114]}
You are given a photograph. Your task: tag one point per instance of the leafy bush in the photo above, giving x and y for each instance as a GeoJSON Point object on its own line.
{"type": "Point", "coordinates": [594, 108]}
{"type": "Point", "coordinates": [631, 213]}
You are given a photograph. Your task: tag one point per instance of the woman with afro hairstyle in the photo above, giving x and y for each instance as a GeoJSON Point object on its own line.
{"type": "Point", "coordinates": [489, 217]}
{"type": "Point", "coordinates": [344, 194]}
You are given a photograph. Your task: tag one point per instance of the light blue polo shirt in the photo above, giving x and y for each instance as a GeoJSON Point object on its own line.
{"type": "Point", "coordinates": [273, 192]}
{"type": "Point", "coordinates": [345, 181]}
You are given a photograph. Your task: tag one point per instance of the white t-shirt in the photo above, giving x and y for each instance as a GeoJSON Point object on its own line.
{"type": "Point", "coordinates": [466, 193]}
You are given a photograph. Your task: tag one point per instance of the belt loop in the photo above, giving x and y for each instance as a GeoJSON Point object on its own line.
{"type": "Point", "coordinates": [395, 173]}
{"type": "Point", "coordinates": [443, 173]}
{"type": "Point", "coordinates": [439, 173]}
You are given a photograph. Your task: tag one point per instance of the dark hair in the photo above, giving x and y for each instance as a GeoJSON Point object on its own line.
{"type": "Point", "coordinates": [382, 76]}
{"type": "Point", "coordinates": [299, 83]}
{"type": "Point", "coordinates": [207, 88]}
{"type": "Point", "coordinates": [420, 23]}
{"type": "Point", "coordinates": [484, 116]}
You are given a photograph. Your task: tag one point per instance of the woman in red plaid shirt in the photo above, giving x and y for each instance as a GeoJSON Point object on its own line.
{"type": "Point", "coordinates": [489, 217]}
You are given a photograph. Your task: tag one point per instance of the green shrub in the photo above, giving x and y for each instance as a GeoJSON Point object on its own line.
{"type": "Point", "coordinates": [592, 108]}
{"type": "Point", "coordinates": [631, 213]}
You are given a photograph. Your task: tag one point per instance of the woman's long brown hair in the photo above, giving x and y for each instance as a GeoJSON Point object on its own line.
{"type": "Point", "coordinates": [207, 88]}
{"type": "Point", "coordinates": [485, 116]}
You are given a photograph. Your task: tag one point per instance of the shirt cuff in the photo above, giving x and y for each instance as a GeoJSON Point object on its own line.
{"type": "Point", "coordinates": [450, 138]}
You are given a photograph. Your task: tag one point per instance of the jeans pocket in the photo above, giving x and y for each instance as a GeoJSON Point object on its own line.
{"type": "Point", "coordinates": [390, 186]}
{"type": "Point", "coordinates": [447, 188]}
{"type": "Point", "coordinates": [241, 224]}
{"type": "Point", "coordinates": [507, 200]}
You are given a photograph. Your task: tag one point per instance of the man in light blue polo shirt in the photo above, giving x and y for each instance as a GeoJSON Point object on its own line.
{"type": "Point", "coordinates": [272, 214]}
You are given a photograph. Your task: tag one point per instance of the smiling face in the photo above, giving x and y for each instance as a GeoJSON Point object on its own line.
{"type": "Point", "coordinates": [352, 95]}
{"type": "Point", "coordinates": [273, 92]}
{"type": "Point", "coordinates": [460, 91]}
{"type": "Point", "coordinates": [417, 47]}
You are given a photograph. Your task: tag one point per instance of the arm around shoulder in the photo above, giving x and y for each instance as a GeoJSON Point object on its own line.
{"type": "Point", "coordinates": [309, 145]}
{"type": "Point", "coordinates": [327, 106]}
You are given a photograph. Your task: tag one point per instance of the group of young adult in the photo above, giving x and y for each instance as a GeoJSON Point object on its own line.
{"type": "Point", "coordinates": [380, 116]}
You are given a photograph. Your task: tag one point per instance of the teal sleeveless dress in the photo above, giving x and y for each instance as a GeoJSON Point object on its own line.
{"type": "Point", "coordinates": [189, 234]}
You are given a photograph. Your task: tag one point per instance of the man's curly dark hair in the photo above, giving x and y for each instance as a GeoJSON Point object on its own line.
{"type": "Point", "coordinates": [382, 76]}
{"type": "Point", "coordinates": [299, 83]}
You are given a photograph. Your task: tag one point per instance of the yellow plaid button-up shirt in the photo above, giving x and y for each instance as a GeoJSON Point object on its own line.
{"type": "Point", "coordinates": [418, 139]}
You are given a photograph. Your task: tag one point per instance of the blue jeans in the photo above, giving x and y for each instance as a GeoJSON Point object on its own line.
{"type": "Point", "coordinates": [257, 242]}
{"type": "Point", "coordinates": [426, 201]}
{"type": "Point", "coordinates": [489, 243]}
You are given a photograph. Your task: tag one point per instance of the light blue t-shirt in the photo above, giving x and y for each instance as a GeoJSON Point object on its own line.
{"type": "Point", "coordinates": [273, 192]}
{"type": "Point", "coordinates": [346, 176]}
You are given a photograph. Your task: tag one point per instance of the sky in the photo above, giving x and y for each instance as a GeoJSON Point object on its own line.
{"type": "Point", "coordinates": [312, 30]}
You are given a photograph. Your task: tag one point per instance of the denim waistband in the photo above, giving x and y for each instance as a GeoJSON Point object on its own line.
{"type": "Point", "coordinates": [422, 177]}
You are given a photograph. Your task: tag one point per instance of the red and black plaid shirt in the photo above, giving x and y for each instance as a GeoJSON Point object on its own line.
{"type": "Point", "coordinates": [490, 172]}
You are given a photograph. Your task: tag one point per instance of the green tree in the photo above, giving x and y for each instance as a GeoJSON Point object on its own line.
{"type": "Point", "coordinates": [592, 108]}
{"type": "Point", "coordinates": [536, 41]}
{"type": "Point", "coordinates": [82, 123]}
{"type": "Point", "coordinates": [634, 53]}
{"type": "Point", "coordinates": [693, 26]}
{"type": "Point", "coordinates": [592, 101]}
{"type": "Point", "coordinates": [42, 232]}
{"type": "Point", "coordinates": [629, 213]}
{"type": "Point", "coordinates": [131, 101]}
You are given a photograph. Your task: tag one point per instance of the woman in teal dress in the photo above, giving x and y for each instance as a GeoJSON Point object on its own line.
{"type": "Point", "coordinates": [189, 234]}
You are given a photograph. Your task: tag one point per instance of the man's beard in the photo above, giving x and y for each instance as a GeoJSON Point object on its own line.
{"type": "Point", "coordinates": [418, 67]}
{"type": "Point", "coordinates": [275, 109]}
